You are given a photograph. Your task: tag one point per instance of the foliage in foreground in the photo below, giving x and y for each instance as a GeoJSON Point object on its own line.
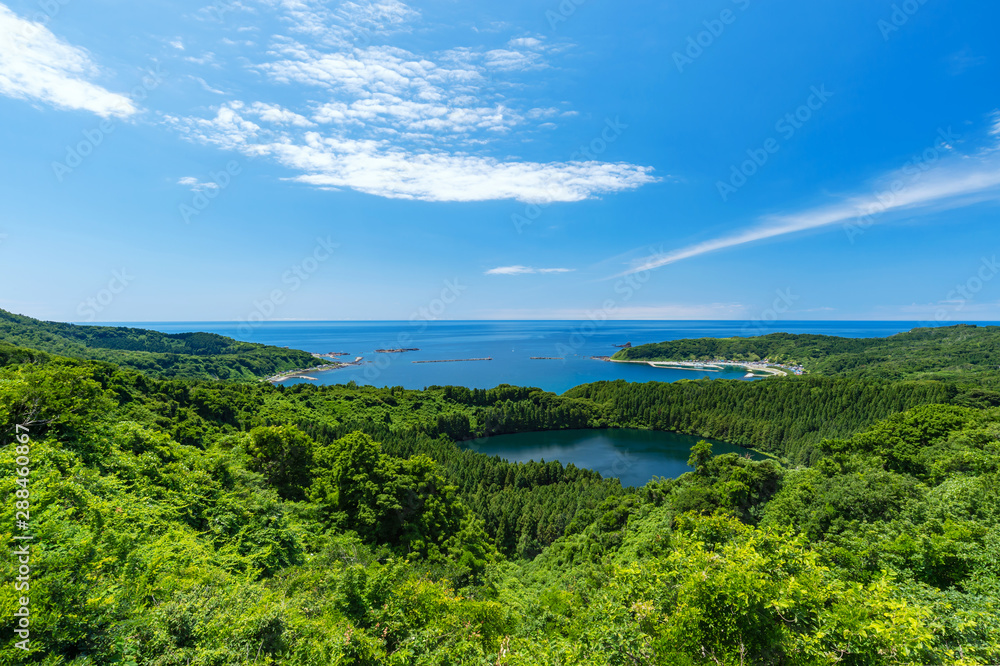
{"type": "Point", "coordinates": [253, 542]}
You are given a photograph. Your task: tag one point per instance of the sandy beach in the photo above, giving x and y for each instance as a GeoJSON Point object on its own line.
{"type": "Point", "coordinates": [708, 366]}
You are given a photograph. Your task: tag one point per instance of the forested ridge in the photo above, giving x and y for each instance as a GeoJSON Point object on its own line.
{"type": "Point", "coordinates": [786, 417]}
{"type": "Point", "coordinates": [189, 355]}
{"type": "Point", "coordinates": [964, 352]}
{"type": "Point", "coordinates": [182, 521]}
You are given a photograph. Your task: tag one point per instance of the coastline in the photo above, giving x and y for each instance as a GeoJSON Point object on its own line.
{"type": "Point", "coordinates": [713, 366]}
{"type": "Point", "coordinates": [300, 372]}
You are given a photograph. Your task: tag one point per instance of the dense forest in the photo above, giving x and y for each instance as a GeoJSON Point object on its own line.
{"type": "Point", "coordinates": [963, 352]}
{"type": "Point", "coordinates": [190, 521]}
{"type": "Point", "coordinates": [189, 355]}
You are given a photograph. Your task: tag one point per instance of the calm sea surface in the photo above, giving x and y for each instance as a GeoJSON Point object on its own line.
{"type": "Point", "coordinates": [633, 456]}
{"type": "Point", "coordinates": [510, 344]}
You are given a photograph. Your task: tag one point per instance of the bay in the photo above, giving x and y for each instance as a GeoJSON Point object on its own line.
{"type": "Point", "coordinates": [569, 346]}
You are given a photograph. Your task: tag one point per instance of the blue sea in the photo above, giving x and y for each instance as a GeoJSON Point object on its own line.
{"type": "Point", "coordinates": [510, 345]}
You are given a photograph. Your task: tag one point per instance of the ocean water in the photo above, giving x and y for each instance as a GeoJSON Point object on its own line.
{"type": "Point", "coordinates": [510, 345]}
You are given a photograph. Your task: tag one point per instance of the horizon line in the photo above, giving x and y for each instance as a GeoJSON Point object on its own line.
{"type": "Point", "coordinates": [927, 324]}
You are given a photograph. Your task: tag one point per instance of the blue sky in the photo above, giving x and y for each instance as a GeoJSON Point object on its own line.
{"type": "Point", "coordinates": [302, 159]}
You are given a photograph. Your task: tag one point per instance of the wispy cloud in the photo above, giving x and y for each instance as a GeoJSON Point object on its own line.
{"type": "Point", "coordinates": [529, 42]}
{"type": "Point", "coordinates": [197, 185]}
{"type": "Point", "coordinates": [383, 169]}
{"type": "Point", "coordinates": [390, 122]}
{"type": "Point", "coordinates": [204, 85]}
{"type": "Point", "coordinates": [963, 60]}
{"type": "Point", "coordinates": [955, 183]}
{"type": "Point", "coordinates": [385, 91]}
{"type": "Point", "coordinates": [37, 65]}
{"type": "Point", "coordinates": [347, 23]}
{"type": "Point", "coordinates": [524, 270]}
{"type": "Point", "coordinates": [276, 115]}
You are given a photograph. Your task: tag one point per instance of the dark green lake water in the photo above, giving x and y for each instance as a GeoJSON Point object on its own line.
{"type": "Point", "coordinates": [634, 456]}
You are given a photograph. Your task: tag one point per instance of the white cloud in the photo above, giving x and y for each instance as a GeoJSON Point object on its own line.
{"type": "Point", "coordinates": [197, 185]}
{"type": "Point", "coordinates": [995, 130]}
{"type": "Point", "coordinates": [349, 23]}
{"type": "Point", "coordinates": [37, 65]}
{"type": "Point", "coordinates": [386, 171]}
{"type": "Point", "coordinates": [525, 42]}
{"type": "Point", "coordinates": [393, 123]}
{"type": "Point", "coordinates": [383, 113]}
{"type": "Point", "coordinates": [276, 115]}
{"type": "Point", "coordinates": [508, 60]}
{"type": "Point", "coordinates": [381, 169]}
{"type": "Point", "coordinates": [373, 69]}
{"type": "Point", "coordinates": [204, 85]}
{"type": "Point", "coordinates": [378, 15]}
{"type": "Point", "coordinates": [228, 129]}
{"type": "Point", "coordinates": [525, 270]}
{"type": "Point", "coordinates": [206, 58]}
{"type": "Point", "coordinates": [954, 183]}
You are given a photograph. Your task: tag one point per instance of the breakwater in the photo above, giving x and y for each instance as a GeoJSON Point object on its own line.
{"type": "Point", "coordinates": [454, 360]}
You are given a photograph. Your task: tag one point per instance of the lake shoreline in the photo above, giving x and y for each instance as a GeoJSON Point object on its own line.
{"type": "Point", "coordinates": [632, 455]}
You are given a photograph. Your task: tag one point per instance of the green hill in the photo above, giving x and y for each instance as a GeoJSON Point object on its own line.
{"type": "Point", "coordinates": [179, 522]}
{"type": "Point", "coordinates": [967, 353]}
{"type": "Point", "coordinates": [173, 355]}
